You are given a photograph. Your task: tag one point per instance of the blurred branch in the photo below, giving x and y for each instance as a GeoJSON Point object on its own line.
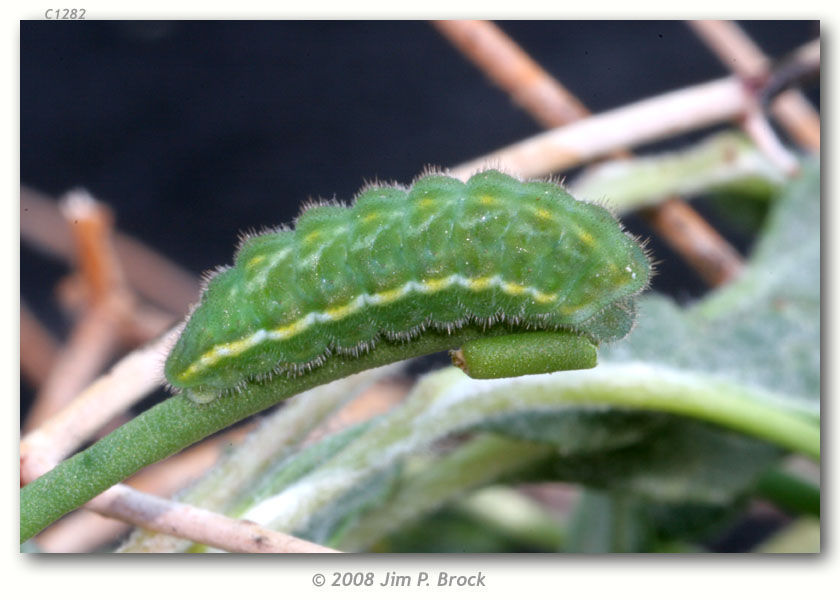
{"type": "Point", "coordinates": [756, 126]}
{"type": "Point", "coordinates": [740, 54]}
{"type": "Point", "coordinates": [199, 525]}
{"type": "Point", "coordinates": [91, 344]}
{"type": "Point", "coordinates": [38, 348]}
{"type": "Point", "coordinates": [597, 136]}
{"type": "Point", "coordinates": [801, 66]}
{"type": "Point", "coordinates": [724, 159]}
{"type": "Point", "coordinates": [95, 337]}
{"type": "Point", "coordinates": [514, 71]}
{"type": "Point", "coordinates": [152, 275]}
{"type": "Point", "coordinates": [552, 105]}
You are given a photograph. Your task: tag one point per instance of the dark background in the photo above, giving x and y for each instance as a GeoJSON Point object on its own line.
{"type": "Point", "coordinates": [196, 131]}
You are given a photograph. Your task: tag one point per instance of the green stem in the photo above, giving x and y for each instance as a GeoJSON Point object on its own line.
{"type": "Point", "coordinates": [277, 436]}
{"type": "Point", "coordinates": [749, 410]}
{"type": "Point", "coordinates": [179, 422]}
{"type": "Point", "coordinates": [789, 492]}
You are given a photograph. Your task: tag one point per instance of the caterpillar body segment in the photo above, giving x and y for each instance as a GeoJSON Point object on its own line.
{"type": "Point", "coordinates": [440, 254]}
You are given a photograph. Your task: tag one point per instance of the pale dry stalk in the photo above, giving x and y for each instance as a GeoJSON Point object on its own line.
{"type": "Point", "coordinates": [91, 343]}
{"type": "Point", "coordinates": [739, 53]}
{"type": "Point", "coordinates": [95, 337]}
{"type": "Point", "coordinates": [199, 525]}
{"type": "Point", "coordinates": [149, 273]}
{"type": "Point", "coordinates": [38, 348]}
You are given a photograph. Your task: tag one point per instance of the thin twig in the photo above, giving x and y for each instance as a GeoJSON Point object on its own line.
{"type": "Point", "coordinates": [597, 136]}
{"type": "Point", "coordinates": [740, 54]}
{"type": "Point", "coordinates": [510, 68]}
{"type": "Point", "coordinates": [756, 126]}
{"type": "Point", "coordinates": [696, 241]}
{"type": "Point", "coordinates": [199, 525]}
{"type": "Point", "coordinates": [38, 348]}
{"type": "Point", "coordinates": [545, 98]}
{"type": "Point", "coordinates": [91, 344]}
{"type": "Point", "coordinates": [95, 337]}
{"type": "Point", "coordinates": [92, 224]}
{"type": "Point", "coordinates": [802, 66]}
{"type": "Point", "coordinates": [278, 435]}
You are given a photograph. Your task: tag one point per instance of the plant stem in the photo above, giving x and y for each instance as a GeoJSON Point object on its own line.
{"type": "Point", "coordinates": [789, 492]}
{"type": "Point", "coordinates": [178, 422]}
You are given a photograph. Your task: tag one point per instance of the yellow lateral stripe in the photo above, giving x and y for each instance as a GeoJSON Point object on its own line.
{"type": "Point", "coordinates": [256, 260]}
{"type": "Point", "coordinates": [338, 313]}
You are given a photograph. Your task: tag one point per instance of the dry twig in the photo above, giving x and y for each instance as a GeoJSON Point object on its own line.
{"type": "Point", "coordinates": [740, 54]}
{"type": "Point", "coordinates": [151, 274]}
{"type": "Point", "coordinates": [38, 348]}
{"type": "Point", "coordinates": [608, 132]}
{"type": "Point", "coordinates": [199, 525]}
{"type": "Point", "coordinates": [513, 70]}
{"type": "Point", "coordinates": [94, 338]}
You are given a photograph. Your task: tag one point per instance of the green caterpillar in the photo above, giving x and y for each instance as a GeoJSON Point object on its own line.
{"type": "Point", "coordinates": [440, 254]}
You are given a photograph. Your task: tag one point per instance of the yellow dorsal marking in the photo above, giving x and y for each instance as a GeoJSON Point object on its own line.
{"type": "Point", "coordinates": [544, 214]}
{"type": "Point", "coordinates": [487, 200]}
{"type": "Point", "coordinates": [427, 203]}
{"type": "Point", "coordinates": [312, 236]}
{"type": "Point", "coordinates": [586, 238]}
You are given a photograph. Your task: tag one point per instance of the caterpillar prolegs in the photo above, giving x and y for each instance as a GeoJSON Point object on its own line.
{"type": "Point", "coordinates": [441, 254]}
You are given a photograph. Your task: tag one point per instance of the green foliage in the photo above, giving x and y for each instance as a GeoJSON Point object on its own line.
{"type": "Point", "coordinates": [726, 163]}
